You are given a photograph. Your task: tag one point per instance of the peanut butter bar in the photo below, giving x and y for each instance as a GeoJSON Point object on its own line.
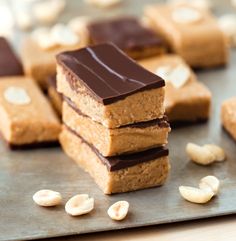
{"type": "Point", "coordinates": [228, 116]}
{"type": "Point", "coordinates": [40, 63]}
{"type": "Point", "coordinates": [109, 142]}
{"type": "Point", "coordinates": [191, 32]}
{"type": "Point", "coordinates": [120, 173]}
{"type": "Point", "coordinates": [186, 99]}
{"type": "Point", "coordinates": [109, 87]}
{"type": "Point", "coordinates": [129, 35]}
{"type": "Point", "coordinates": [54, 96]}
{"type": "Point", "coordinates": [26, 116]}
{"type": "Point", "coordinates": [10, 64]}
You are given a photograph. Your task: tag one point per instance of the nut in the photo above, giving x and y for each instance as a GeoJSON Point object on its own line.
{"type": "Point", "coordinates": [79, 26]}
{"type": "Point", "coordinates": [16, 96]}
{"type": "Point", "coordinates": [196, 195]}
{"type": "Point", "coordinates": [58, 35]}
{"type": "Point", "coordinates": [62, 35]}
{"type": "Point", "coordinates": [163, 72]}
{"type": "Point", "coordinates": [79, 204]}
{"type": "Point", "coordinates": [217, 151]}
{"type": "Point", "coordinates": [210, 182]}
{"type": "Point", "coordinates": [24, 20]}
{"type": "Point", "coordinates": [177, 76]}
{"type": "Point", "coordinates": [103, 3]}
{"type": "Point", "coordinates": [200, 155]}
{"type": "Point", "coordinates": [47, 198]}
{"type": "Point", "coordinates": [118, 210]}
{"type": "Point", "coordinates": [186, 15]}
{"type": "Point", "coordinates": [42, 37]}
{"type": "Point", "coordinates": [46, 12]}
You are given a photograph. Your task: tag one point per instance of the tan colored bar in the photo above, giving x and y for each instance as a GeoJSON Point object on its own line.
{"type": "Point", "coordinates": [112, 142]}
{"type": "Point", "coordinates": [143, 175]}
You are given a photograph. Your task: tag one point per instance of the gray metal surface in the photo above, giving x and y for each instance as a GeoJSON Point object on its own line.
{"type": "Point", "coordinates": [22, 173]}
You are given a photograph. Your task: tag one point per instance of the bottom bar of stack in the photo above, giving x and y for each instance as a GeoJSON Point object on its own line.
{"type": "Point", "coordinates": [117, 174]}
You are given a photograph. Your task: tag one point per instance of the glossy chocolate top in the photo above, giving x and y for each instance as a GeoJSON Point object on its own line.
{"type": "Point", "coordinates": [115, 163]}
{"type": "Point", "coordinates": [107, 73]}
{"type": "Point", "coordinates": [10, 65]}
{"type": "Point", "coordinates": [127, 33]}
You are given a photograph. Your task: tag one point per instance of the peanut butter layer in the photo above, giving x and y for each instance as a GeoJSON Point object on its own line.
{"type": "Point", "coordinates": [26, 116]}
{"type": "Point", "coordinates": [39, 63]}
{"type": "Point", "coordinates": [228, 116]}
{"type": "Point", "coordinates": [139, 176]}
{"type": "Point", "coordinates": [190, 102]}
{"type": "Point", "coordinates": [134, 39]}
{"type": "Point", "coordinates": [191, 33]}
{"type": "Point", "coordinates": [114, 93]}
{"type": "Point", "coordinates": [10, 64]}
{"type": "Point", "coordinates": [110, 142]}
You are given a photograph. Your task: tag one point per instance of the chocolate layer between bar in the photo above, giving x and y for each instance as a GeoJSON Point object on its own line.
{"type": "Point", "coordinates": [36, 145]}
{"type": "Point", "coordinates": [161, 122]}
{"type": "Point", "coordinates": [108, 74]}
{"type": "Point", "coordinates": [10, 65]}
{"type": "Point", "coordinates": [115, 163]}
{"type": "Point", "coordinates": [52, 81]}
{"type": "Point", "coordinates": [126, 32]}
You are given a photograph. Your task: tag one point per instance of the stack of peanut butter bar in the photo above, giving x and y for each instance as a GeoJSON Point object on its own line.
{"type": "Point", "coordinates": [113, 115]}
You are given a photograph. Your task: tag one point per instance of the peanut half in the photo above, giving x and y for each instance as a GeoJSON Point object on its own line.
{"type": "Point", "coordinates": [118, 210]}
{"type": "Point", "coordinates": [79, 204]}
{"type": "Point", "coordinates": [208, 187]}
{"type": "Point", "coordinates": [47, 198]}
{"type": "Point", "coordinates": [206, 154]}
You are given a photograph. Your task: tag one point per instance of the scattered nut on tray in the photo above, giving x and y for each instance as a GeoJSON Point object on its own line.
{"type": "Point", "coordinates": [206, 154]}
{"type": "Point", "coordinates": [79, 204]}
{"type": "Point", "coordinates": [208, 187]}
{"type": "Point", "coordinates": [119, 210]}
{"type": "Point", "coordinates": [47, 198]}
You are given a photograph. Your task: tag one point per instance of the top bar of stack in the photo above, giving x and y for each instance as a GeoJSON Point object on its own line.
{"type": "Point", "coordinates": [109, 87]}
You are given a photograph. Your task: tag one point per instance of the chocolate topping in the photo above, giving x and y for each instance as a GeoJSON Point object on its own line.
{"type": "Point", "coordinates": [161, 122]}
{"type": "Point", "coordinates": [10, 65]}
{"type": "Point", "coordinates": [115, 163]}
{"type": "Point", "coordinates": [127, 33]}
{"type": "Point", "coordinates": [107, 72]}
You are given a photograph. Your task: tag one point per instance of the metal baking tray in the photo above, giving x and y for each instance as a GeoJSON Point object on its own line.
{"type": "Point", "coordinates": [22, 173]}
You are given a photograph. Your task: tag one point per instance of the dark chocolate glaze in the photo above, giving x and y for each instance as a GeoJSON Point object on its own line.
{"type": "Point", "coordinates": [115, 163]}
{"type": "Point", "coordinates": [35, 145]}
{"type": "Point", "coordinates": [126, 32]}
{"type": "Point", "coordinates": [107, 72]}
{"type": "Point", "coordinates": [161, 122]}
{"type": "Point", "coordinates": [10, 65]}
